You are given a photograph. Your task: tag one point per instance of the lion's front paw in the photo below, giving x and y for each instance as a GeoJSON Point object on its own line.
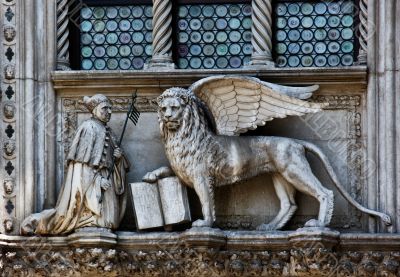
{"type": "Point", "coordinates": [150, 177]}
{"type": "Point", "coordinates": [202, 223]}
{"type": "Point", "coordinates": [313, 223]}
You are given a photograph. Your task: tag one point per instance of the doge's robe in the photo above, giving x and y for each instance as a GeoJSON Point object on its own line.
{"type": "Point", "coordinates": [82, 202]}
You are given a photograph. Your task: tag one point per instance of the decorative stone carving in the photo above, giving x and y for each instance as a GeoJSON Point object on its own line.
{"type": "Point", "coordinates": [93, 194]}
{"type": "Point", "coordinates": [9, 148]}
{"type": "Point", "coordinates": [9, 110]}
{"type": "Point", "coordinates": [9, 33]}
{"type": "Point", "coordinates": [203, 156]}
{"type": "Point", "coordinates": [8, 185]}
{"type": "Point", "coordinates": [8, 225]}
{"type": "Point", "coordinates": [9, 71]}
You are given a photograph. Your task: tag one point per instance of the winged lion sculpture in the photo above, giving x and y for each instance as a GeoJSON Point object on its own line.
{"type": "Point", "coordinates": [200, 127]}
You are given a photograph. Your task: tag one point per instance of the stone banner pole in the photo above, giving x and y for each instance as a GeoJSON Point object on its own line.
{"type": "Point", "coordinates": [162, 35]}
{"type": "Point", "coordinates": [262, 34]}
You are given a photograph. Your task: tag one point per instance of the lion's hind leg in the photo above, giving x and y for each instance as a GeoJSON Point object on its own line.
{"type": "Point", "coordinates": [285, 192]}
{"type": "Point", "coordinates": [300, 175]}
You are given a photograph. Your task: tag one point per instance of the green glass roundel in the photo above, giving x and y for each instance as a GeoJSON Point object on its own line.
{"type": "Point", "coordinates": [183, 11]}
{"type": "Point", "coordinates": [183, 37]}
{"type": "Point", "coordinates": [333, 60]}
{"type": "Point", "coordinates": [221, 11]}
{"type": "Point", "coordinates": [208, 62]}
{"type": "Point", "coordinates": [111, 26]}
{"type": "Point", "coordinates": [307, 22]}
{"type": "Point", "coordinates": [112, 38]}
{"type": "Point", "coordinates": [111, 12]}
{"type": "Point", "coordinates": [183, 63]}
{"type": "Point", "coordinates": [222, 36]}
{"type": "Point", "coordinates": [99, 26]}
{"type": "Point", "coordinates": [208, 24]}
{"type": "Point", "coordinates": [307, 35]}
{"type": "Point", "coordinates": [222, 49]}
{"type": "Point", "coordinates": [320, 21]}
{"type": "Point", "coordinates": [222, 62]}
{"type": "Point", "coordinates": [320, 61]}
{"type": "Point", "coordinates": [281, 61]}
{"type": "Point", "coordinates": [137, 25]}
{"type": "Point", "coordinates": [99, 13]}
{"type": "Point", "coordinates": [320, 47]}
{"type": "Point", "coordinates": [99, 39]}
{"type": "Point", "coordinates": [124, 12]}
{"type": "Point", "coordinates": [347, 60]}
{"type": "Point", "coordinates": [195, 37]}
{"type": "Point", "coordinates": [87, 52]}
{"type": "Point", "coordinates": [293, 48]}
{"type": "Point", "coordinates": [293, 61]}
{"type": "Point", "coordinates": [148, 11]}
{"type": "Point", "coordinates": [137, 12]}
{"type": "Point", "coordinates": [195, 49]}
{"type": "Point", "coordinates": [86, 13]}
{"type": "Point", "coordinates": [347, 47]}
{"type": "Point", "coordinates": [208, 11]}
{"type": "Point", "coordinates": [294, 9]}
{"type": "Point", "coordinates": [195, 24]}
{"type": "Point", "coordinates": [195, 63]}
{"type": "Point", "coordinates": [281, 22]}
{"type": "Point", "coordinates": [112, 51]}
{"type": "Point", "coordinates": [124, 25]}
{"type": "Point", "coordinates": [234, 49]}
{"type": "Point", "coordinates": [86, 26]}
{"type": "Point", "coordinates": [305, 61]}
{"type": "Point", "coordinates": [86, 39]}
{"type": "Point", "coordinates": [247, 49]}
{"type": "Point", "coordinates": [112, 64]}
{"type": "Point", "coordinates": [195, 11]}
{"type": "Point", "coordinates": [126, 63]}
{"type": "Point", "coordinates": [333, 21]}
{"type": "Point", "coordinates": [281, 9]}
{"type": "Point", "coordinates": [320, 8]}
{"type": "Point", "coordinates": [148, 50]}
{"type": "Point", "coordinates": [137, 37]}
{"type": "Point", "coordinates": [234, 23]}
{"type": "Point", "coordinates": [125, 50]}
{"type": "Point", "coordinates": [347, 20]}
{"type": "Point", "coordinates": [347, 33]}
{"type": "Point", "coordinates": [234, 10]}
{"type": "Point", "coordinates": [148, 37]}
{"type": "Point", "coordinates": [208, 50]}
{"type": "Point", "coordinates": [149, 24]}
{"type": "Point", "coordinates": [247, 35]}
{"type": "Point", "coordinates": [86, 64]}
{"type": "Point", "coordinates": [307, 8]}
{"type": "Point", "coordinates": [293, 22]}
{"type": "Point", "coordinates": [281, 48]}
{"type": "Point", "coordinates": [235, 36]}
{"type": "Point", "coordinates": [307, 48]}
{"type": "Point", "coordinates": [208, 37]}
{"type": "Point", "coordinates": [334, 8]}
{"type": "Point", "coordinates": [333, 47]}
{"type": "Point", "coordinates": [99, 64]}
{"type": "Point", "coordinates": [320, 34]}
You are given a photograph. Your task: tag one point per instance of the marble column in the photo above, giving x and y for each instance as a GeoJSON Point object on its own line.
{"type": "Point", "coordinates": [363, 35]}
{"type": "Point", "coordinates": [383, 114]}
{"type": "Point", "coordinates": [62, 35]}
{"type": "Point", "coordinates": [162, 35]}
{"type": "Point", "coordinates": [262, 34]}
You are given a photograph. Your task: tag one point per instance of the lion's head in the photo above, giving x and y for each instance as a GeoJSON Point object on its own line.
{"type": "Point", "coordinates": [171, 107]}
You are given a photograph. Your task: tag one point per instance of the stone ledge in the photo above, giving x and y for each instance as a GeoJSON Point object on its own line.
{"type": "Point", "coordinates": [157, 81]}
{"type": "Point", "coordinates": [245, 253]}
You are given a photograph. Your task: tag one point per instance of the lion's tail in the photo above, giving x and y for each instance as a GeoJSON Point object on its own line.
{"type": "Point", "coordinates": [315, 150]}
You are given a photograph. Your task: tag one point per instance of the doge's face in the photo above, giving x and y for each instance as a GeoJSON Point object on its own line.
{"type": "Point", "coordinates": [171, 111]}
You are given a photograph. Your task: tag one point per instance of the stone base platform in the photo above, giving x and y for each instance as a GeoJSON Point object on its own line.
{"type": "Point", "coordinates": [202, 252]}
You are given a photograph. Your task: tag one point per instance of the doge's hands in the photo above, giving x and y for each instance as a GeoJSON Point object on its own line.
{"type": "Point", "coordinates": [117, 153]}
{"type": "Point", "coordinates": [105, 184]}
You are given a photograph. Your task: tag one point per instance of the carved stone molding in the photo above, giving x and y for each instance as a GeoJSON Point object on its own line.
{"type": "Point", "coordinates": [62, 35]}
{"type": "Point", "coordinates": [299, 253]}
{"type": "Point", "coordinates": [363, 29]}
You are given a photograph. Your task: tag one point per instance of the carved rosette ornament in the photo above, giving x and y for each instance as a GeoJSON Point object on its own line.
{"type": "Point", "coordinates": [262, 33]}
{"type": "Point", "coordinates": [62, 35]}
{"type": "Point", "coordinates": [363, 28]}
{"type": "Point", "coordinates": [162, 34]}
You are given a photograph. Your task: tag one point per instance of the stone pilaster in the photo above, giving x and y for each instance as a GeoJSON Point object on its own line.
{"type": "Point", "coordinates": [62, 35]}
{"type": "Point", "coordinates": [262, 34]}
{"type": "Point", "coordinates": [363, 36]}
{"type": "Point", "coordinates": [162, 35]}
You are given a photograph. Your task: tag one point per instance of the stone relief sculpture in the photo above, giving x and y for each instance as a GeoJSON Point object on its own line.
{"type": "Point", "coordinates": [89, 197]}
{"type": "Point", "coordinates": [200, 128]}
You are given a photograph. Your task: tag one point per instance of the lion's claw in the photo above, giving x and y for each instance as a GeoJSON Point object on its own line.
{"type": "Point", "coordinates": [202, 223]}
{"type": "Point", "coordinates": [150, 177]}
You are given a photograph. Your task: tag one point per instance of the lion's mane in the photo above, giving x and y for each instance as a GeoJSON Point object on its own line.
{"type": "Point", "coordinates": [194, 144]}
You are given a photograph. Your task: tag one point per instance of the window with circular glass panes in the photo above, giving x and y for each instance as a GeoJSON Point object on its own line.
{"type": "Point", "coordinates": [314, 33]}
{"type": "Point", "coordinates": [214, 36]}
{"type": "Point", "coordinates": [115, 38]}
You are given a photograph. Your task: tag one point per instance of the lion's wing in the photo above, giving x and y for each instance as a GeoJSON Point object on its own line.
{"type": "Point", "coordinates": [239, 104]}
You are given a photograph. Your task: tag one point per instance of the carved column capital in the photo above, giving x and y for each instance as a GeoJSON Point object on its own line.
{"type": "Point", "coordinates": [162, 35]}
{"type": "Point", "coordinates": [262, 34]}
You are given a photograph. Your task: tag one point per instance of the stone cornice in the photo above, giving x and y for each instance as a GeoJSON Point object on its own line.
{"type": "Point", "coordinates": [125, 81]}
